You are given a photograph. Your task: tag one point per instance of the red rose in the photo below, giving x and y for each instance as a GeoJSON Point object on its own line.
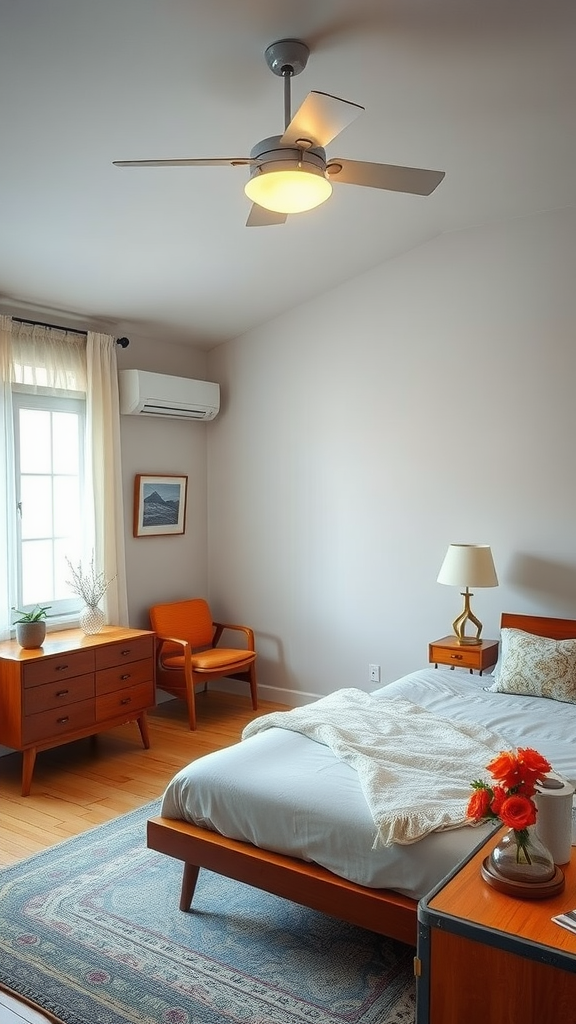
{"type": "Point", "coordinates": [518, 812]}
{"type": "Point", "coordinates": [479, 804]}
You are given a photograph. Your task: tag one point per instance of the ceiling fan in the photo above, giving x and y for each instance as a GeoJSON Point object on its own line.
{"type": "Point", "coordinates": [290, 173]}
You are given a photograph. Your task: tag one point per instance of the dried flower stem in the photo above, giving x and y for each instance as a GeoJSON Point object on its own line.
{"type": "Point", "coordinates": [89, 585]}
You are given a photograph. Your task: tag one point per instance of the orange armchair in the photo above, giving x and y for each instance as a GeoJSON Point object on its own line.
{"type": "Point", "coordinates": [187, 651]}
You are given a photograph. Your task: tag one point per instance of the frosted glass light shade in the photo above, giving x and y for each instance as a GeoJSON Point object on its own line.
{"type": "Point", "coordinates": [468, 565]}
{"type": "Point", "coordinates": [288, 191]}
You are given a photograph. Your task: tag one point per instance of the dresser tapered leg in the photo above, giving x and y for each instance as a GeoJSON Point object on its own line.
{"type": "Point", "coordinates": [28, 760]}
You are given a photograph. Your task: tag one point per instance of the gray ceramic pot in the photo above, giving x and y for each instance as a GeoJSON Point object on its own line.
{"type": "Point", "coordinates": [30, 634]}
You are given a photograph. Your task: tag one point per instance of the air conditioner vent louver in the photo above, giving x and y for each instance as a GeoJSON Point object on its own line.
{"type": "Point", "coordinates": [157, 394]}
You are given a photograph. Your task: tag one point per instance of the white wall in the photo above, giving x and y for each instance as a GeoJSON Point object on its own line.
{"type": "Point", "coordinates": [164, 568]}
{"type": "Point", "coordinates": [429, 401]}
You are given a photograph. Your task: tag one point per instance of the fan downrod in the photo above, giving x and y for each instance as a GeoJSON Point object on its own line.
{"type": "Point", "coordinates": [287, 57]}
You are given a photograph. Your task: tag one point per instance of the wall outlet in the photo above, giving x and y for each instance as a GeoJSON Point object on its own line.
{"type": "Point", "coordinates": [374, 673]}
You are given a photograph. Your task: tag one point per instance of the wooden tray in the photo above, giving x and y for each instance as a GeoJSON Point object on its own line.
{"type": "Point", "coordinates": [524, 890]}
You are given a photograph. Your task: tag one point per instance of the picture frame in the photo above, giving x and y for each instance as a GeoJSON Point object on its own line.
{"type": "Point", "coordinates": [159, 505]}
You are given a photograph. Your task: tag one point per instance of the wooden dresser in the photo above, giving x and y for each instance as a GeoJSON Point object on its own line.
{"type": "Point", "coordinates": [74, 686]}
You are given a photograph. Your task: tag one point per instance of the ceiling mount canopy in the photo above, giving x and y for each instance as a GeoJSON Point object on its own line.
{"type": "Point", "coordinates": [290, 173]}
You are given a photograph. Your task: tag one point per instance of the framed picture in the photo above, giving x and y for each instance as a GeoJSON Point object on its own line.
{"type": "Point", "coordinates": [159, 505]}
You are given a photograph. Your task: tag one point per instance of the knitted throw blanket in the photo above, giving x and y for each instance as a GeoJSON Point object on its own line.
{"type": "Point", "coordinates": [414, 768]}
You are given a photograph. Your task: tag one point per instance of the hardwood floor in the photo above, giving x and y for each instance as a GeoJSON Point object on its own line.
{"type": "Point", "coordinates": [83, 784]}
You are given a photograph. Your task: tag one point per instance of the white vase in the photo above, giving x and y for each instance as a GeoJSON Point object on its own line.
{"type": "Point", "coordinates": [92, 619]}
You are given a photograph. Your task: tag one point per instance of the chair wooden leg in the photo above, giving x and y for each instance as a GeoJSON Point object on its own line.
{"type": "Point", "coordinates": [191, 711]}
{"type": "Point", "coordinates": [191, 701]}
{"type": "Point", "coordinates": [253, 686]}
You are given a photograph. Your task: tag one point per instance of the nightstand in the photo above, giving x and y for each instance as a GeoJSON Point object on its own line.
{"type": "Point", "coordinates": [484, 956]}
{"type": "Point", "coordinates": [448, 651]}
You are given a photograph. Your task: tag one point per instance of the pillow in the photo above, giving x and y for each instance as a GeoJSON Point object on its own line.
{"type": "Point", "coordinates": [536, 666]}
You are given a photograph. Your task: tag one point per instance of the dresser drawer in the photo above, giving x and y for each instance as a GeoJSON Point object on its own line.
{"type": "Point", "coordinates": [130, 701]}
{"type": "Point", "coordinates": [62, 666]}
{"type": "Point", "coordinates": [58, 694]}
{"type": "Point", "coordinates": [109, 680]}
{"type": "Point", "coordinates": [56, 723]}
{"type": "Point", "coordinates": [127, 650]}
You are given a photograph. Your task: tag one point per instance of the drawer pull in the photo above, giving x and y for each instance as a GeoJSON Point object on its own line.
{"type": "Point", "coordinates": [125, 676]}
{"type": "Point", "coordinates": [60, 668]}
{"type": "Point", "coordinates": [124, 653]}
{"type": "Point", "coordinates": [126, 700]}
{"type": "Point", "coordinates": [62, 693]}
{"type": "Point", "coordinates": [456, 657]}
{"type": "Point", "coordinates": [62, 721]}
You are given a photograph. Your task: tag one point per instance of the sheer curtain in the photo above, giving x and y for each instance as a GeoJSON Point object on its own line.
{"type": "Point", "coordinates": [8, 494]}
{"type": "Point", "coordinates": [104, 470]}
{"type": "Point", "coordinates": [63, 363]}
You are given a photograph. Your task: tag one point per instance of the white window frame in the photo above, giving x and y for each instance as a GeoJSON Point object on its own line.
{"type": "Point", "coordinates": [66, 609]}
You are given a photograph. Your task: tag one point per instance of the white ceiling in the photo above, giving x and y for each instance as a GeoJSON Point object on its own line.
{"type": "Point", "coordinates": [482, 89]}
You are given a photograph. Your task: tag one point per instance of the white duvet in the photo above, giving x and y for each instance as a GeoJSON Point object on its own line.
{"type": "Point", "coordinates": [285, 792]}
{"type": "Point", "coordinates": [414, 767]}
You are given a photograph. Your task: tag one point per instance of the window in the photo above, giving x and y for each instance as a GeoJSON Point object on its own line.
{"type": "Point", "coordinates": [49, 446]}
{"type": "Point", "coordinates": [60, 466]}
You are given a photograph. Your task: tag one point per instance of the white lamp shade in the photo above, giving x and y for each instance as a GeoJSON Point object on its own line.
{"type": "Point", "coordinates": [468, 565]}
{"type": "Point", "coordinates": [288, 190]}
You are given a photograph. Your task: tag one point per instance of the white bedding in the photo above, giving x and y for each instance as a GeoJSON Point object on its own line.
{"type": "Point", "coordinates": [287, 793]}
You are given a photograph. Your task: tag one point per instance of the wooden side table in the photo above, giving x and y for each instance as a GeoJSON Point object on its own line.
{"type": "Point", "coordinates": [447, 651]}
{"type": "Point", "coordinates": [74, 686]}
{"type": "Point", "coordinates": [484, 956]}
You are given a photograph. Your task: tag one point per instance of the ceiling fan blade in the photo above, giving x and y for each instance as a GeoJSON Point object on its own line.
{"type": "Point", "coordinates": [232, 161]}
{"type": "Point", "coordinates": [261, 218]}
{"type": "Point", "coordinates": [414, 180]}
{"type": "Point", "coordinates": [320, 118]}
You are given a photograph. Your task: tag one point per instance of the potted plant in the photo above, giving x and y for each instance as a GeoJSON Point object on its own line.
{"type": "Point", "coordinates": [31, 627]}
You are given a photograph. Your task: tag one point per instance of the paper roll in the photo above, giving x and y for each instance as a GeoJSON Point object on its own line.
{"type": "Point", "coordinates": [553, 800]}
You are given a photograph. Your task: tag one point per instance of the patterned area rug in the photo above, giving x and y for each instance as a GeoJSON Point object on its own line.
{"type": "Point", "coordinates": [90, 931]}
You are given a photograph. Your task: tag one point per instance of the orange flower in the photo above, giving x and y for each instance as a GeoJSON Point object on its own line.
{"type": "Point", "coordinates": [498, 799]}
{"type": "Point", "coordinates": [479, 804]}
{"type": "Point", "coordinates": [532, 768]}
{"type": "Point", "coordinates": [504, 768]}
{"type": "Point", "coordinates": [518, 812]}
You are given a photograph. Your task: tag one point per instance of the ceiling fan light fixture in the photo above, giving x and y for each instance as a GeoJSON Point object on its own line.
{"type": "Point", "coordinates": [290, 190]}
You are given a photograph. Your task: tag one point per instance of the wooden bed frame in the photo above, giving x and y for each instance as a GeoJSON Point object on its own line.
{"type": "Point", "coordinates": [380, 910]}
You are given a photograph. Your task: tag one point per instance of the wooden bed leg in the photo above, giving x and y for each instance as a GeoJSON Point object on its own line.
{"type": "Point", "coordinates": [189, 879]}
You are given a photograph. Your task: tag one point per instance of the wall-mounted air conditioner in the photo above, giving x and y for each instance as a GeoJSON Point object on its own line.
{"type": "Point", "coordinates": [157, 394]}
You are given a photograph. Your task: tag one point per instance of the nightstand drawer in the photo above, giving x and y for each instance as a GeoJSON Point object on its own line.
{"type": "Point", "coordinates": [448, 651]}
{"type": "Point", "coordinates": [464, 657]}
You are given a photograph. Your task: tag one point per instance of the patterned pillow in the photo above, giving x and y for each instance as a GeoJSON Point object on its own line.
{"type": "Point", "coordinates": [536, 666]}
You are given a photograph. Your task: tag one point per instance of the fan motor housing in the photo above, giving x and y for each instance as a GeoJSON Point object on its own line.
{"type": "Point", "coordinates": [271, 154]}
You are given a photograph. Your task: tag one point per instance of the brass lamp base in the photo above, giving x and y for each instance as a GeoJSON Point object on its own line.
{"type": "Point", "coordinates": [459, 624]}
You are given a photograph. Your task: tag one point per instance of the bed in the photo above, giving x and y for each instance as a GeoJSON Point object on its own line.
{"type": "Point", "coordinates": [281, 812]}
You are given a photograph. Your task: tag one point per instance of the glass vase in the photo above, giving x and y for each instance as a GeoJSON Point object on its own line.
{"type": "Point", "coordinates": [92, 619]}
{"type": "Point", "coordinates": [522, 857]}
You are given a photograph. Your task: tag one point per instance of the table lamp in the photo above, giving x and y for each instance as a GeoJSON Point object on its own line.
{"type": "Point", "coordinates": [468, 565]}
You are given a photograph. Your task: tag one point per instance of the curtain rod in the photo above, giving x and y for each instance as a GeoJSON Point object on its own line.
{"type": "Point", "coordinates": [123, 342]}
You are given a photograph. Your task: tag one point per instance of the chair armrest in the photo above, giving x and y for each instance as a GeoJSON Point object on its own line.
{"type": "Point", "coordinates": [161, 640]}
{"type": "Point", "coordinates": [248, 633]}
